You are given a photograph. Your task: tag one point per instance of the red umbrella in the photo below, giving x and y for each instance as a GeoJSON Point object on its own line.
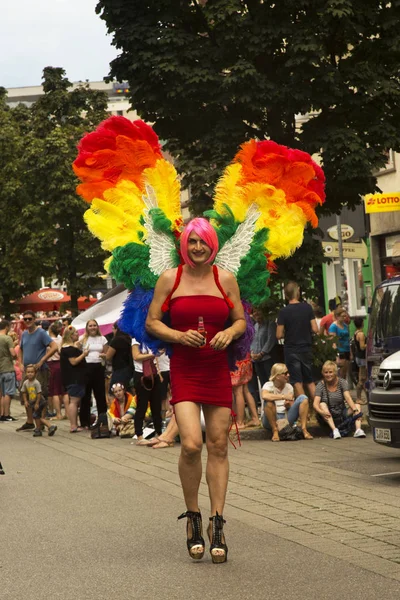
{"type": "Point", "coordinates": [45, 299]}
{"type": "Point", "coordinates": [85, 302]}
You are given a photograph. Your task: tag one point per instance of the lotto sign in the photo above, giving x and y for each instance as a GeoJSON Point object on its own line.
{"type": "Point", "coordinates": [376, 203]}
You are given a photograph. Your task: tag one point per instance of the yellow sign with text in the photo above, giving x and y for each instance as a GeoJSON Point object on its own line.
{"type": "Point", "coordinates": [360, 250]}
{"type": "Point", "coordinates": [376, 203]}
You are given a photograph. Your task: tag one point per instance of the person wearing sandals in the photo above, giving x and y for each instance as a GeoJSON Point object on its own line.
{"type": "Point", "coordinates": [166, 439]}
{"type": "Point", "coordinates": [73, 372]}
{"type": "Point", "coordinates": [280, 403]}
{"type": "Point", "coordinates": [198, 293]}
{"type": "Point", "coordinates": [331, 396]}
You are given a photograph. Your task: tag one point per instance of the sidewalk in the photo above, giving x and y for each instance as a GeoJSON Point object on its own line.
{"type": "Point", "coordinates": [106, 509]}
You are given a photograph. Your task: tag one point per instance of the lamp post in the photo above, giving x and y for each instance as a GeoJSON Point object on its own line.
{"type": "Point", "coordinates": [342, 292]}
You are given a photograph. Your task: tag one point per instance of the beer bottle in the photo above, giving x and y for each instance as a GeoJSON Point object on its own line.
{"type": "Point", "coordinates": [201, 329]}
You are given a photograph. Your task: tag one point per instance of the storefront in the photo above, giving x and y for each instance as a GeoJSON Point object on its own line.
{"type": "Point", "coordinates": [356, 260]}
{"type": "Point", "coordinates": [384, 214]}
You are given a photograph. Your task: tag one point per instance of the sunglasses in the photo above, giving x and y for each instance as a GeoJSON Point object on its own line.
{"type": "Point", "coordinates": [28, 319]}
{"type": "Point", "coordinates": [285, 373]}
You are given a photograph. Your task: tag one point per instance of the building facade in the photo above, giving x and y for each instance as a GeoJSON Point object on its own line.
{"type": "Point", "coordinates": [385, 226]}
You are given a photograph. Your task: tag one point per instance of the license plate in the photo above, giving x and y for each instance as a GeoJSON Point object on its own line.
{"type": "Point", "coordinates": [382, 435]}
{"type": "Point", "coordinates": [375, 372]}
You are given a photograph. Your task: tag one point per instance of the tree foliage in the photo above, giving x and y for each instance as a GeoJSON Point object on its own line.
{"type": "Point", "coordinates": [212, 73]}
{"type": "Point", "coordinates": [49, 237]}
{"type": "Point", "coordinates": [18, 272]}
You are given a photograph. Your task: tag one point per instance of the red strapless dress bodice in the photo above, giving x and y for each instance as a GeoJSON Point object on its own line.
{"type": "Point", "coordinates": [200, 375]}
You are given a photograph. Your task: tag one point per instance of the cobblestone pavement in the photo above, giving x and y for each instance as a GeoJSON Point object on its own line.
{"type": "Point", "coordinates": [339, 498]}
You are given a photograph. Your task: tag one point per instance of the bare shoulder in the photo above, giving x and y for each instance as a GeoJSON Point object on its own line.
{"type": "Point", "coordinates": [166, 281]}
{"type": "Point", "coordinates": [168, 275]}
{"type": "Point", "coordinates": [226, 278]}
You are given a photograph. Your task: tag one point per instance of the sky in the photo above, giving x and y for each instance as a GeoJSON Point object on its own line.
{"type": "Point", "coordinates": [56, 33]}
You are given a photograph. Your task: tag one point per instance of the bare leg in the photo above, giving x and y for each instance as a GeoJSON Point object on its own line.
{"type": "Point", "coordinates": [73, 412]}
{"type": "Point", "coordinates": [311, 391]}
{"type": "Point", "coordinates": [251, 403]}
{"type": "Point", "coordinates": [298, 389]}
{"type": "Point", "coordinates": [168, 435]}
{"type": "Point", "coordinates": [270, 412]}
{"type": "Point", "coordinates": [358, 422]}
{"type": "Point", "coordinates": [45, 422]}
{"type": "Point", "coordinates": [29, 415]}
{"type": "Point", "coordinates": [57, 407]}
{"type": "Point", "coordinates": [5, 405]}
{"type": "Point", "coordinates": [217, 420]}
{"type": "Point", "coordinates": [303, 414]}
{"type": "Point", "coordinates": [362, 378]}
{"type": "Point", "coordinates": [239, 405]}
{"type": "Point", "coordinates": [66, 403]}
{"type": "Point", "coordinates": [188, 420]}
{"type": "Point", "coordinates": [50, 406]}
{"type": "Point", "coordinates": [327, 415]}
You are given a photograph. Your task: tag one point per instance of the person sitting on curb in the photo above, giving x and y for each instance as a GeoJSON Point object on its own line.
{"type": "Point", "coordinates": [331, 396]}
{"type": "Point", "coordinates": [279, 403]}
{"type": "Point", "coordinates": [121, 410]}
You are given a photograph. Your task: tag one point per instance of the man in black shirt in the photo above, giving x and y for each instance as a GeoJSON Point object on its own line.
{"type": "Point", "coordinates": [296, 324]}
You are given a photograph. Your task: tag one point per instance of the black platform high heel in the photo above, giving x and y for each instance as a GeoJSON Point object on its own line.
{"type": "Point", "coordinates": [195, 544]}
{"type": "Point", "coordinates": [217, 535]}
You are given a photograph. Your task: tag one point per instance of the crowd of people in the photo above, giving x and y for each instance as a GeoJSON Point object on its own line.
{"type": "Point", "coordinates": [59, 373]}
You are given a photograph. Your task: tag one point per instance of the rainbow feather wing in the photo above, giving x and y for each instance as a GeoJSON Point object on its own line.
{"type": "Point", "coordinates": [134, 198]}
{"type": "Point", "coordinates": [125, 179]}
{"type": "Point", "coordinates": [282, 187]}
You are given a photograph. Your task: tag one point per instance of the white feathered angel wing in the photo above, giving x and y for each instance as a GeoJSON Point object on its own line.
{"type": "Point", "coordinates": [238, 245]}
{"type": "Point", "coordinates": [162, 248]}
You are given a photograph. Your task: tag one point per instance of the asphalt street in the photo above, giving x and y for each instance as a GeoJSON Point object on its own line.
{"type": "Point", "coordinates": [85, 519]}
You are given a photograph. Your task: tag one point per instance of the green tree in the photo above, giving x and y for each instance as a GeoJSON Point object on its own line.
{"type": "Point", "coordinates": [58, 235]}
{"type": "Point", "coordinates": [18, 267]}
{"type": "Point", "coordinates": [212, 73]}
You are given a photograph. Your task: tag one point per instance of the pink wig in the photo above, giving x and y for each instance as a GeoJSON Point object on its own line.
{"type": "Point", "coordinates": [206, 232]}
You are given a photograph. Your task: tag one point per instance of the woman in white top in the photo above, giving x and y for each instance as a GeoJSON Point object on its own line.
{"type": "Point", "coordinates": [148, 390]}
{"type": "Point", "coordinates": [96, 345]}
{"type": "Point", "coordinates": [279, 403]}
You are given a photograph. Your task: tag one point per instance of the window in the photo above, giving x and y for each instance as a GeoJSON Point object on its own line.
{"type": "Point", "coordinates": [385, 316]}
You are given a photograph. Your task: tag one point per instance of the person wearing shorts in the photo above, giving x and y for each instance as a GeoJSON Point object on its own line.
{"type": "Point", "coordinates": [296, 325]}
{"type": "Point", "coordinates": [31, 391]}
{"type": "Point", "coordinates": [36, 349]}
{"type": "Point", "coordinates": [73, 372]}
{"type": "Point", "coordinates": [7, 373]}
{"type": "Point", "coordinates": [280, 403]}
{"type": "Point", "coordinates": [340, 330]}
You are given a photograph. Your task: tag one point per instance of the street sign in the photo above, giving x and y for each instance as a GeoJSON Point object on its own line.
{"type": "Point", "coordinates": [347, 232]}
{"type": "Point", "coordinates": [376, 203]}
{"type": "Point", "coordinates": [331, 249]}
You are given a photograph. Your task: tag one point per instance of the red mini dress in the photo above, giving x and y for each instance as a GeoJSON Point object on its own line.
{"type": "Point", "coordinates": [202, 374]}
